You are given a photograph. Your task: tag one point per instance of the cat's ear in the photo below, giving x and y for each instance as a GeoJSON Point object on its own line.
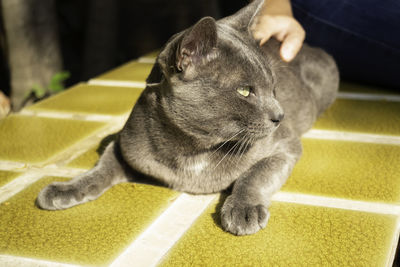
{"type": "Point", "coordinates": [198, 45]}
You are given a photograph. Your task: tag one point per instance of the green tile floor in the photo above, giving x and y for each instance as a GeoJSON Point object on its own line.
{"type": "Point", "coordinates": [340, 207]}
{"type": "Point", "coordinates": [91, 99]}
{"type": "Point", "coordinates": [34, 140]}
{"type": "Point", "coordinates": [7, 176]}
{"type": "Point", "coordinates": [296, 235]}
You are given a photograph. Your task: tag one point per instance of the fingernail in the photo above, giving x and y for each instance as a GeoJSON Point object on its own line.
{"type": "Point", "coordinates": [287, 53]}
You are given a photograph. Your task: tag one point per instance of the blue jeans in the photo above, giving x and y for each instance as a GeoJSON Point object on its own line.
{"type": "Point", "coordinates": [362, 35]}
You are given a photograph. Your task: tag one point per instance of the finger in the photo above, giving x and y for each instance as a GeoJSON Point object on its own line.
{"type": "Point", "coordinates": [261, 32]}
{"type": "Point", "coordinates": [291, 45]}
{"type": "Point", "coordinates": [265, 38]}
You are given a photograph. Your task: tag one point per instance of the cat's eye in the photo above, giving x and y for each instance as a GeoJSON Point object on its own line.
{"type": "Point", "coordinates": [244, 90]}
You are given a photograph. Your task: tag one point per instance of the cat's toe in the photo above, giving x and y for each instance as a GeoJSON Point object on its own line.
{"type": "Point", "coordinates": [54, 197]}
{"type": "Point", "coordinates": [243, 219]}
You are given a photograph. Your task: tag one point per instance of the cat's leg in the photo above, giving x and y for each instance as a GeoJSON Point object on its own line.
{"type": "Point", "coordinates": [88, 186]}
{"type": "Point", "coordinates": [245, 211]}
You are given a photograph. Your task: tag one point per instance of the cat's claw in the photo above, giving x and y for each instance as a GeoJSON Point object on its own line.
{"type": "Point", "coordinates": [243, 219]}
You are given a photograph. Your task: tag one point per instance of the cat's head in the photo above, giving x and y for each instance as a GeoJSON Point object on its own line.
{"type": "Point", "coordinates": [216, 83]}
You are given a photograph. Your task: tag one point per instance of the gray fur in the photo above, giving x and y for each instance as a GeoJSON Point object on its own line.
{"type": "Point", "coordinates": [192, 131]}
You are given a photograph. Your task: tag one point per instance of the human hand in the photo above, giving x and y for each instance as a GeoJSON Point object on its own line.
{"type": "Point", "coordinates": [285, 29]}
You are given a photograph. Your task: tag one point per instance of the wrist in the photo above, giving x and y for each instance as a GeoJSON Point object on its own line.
{"type": "Point", "coordinates": [276, 8]}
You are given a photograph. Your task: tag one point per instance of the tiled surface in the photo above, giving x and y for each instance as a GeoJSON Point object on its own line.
{"type": "Point", "coordinates": [34, 139]}
{"type": "Point", "coordinates": [89, 158]}
{"type": "Point", "coordinates": [7, 176]}
{"type": "Point", "coordinates": [350, 170]}
{"type": "Point", "coordinates": [374, 117]}
{"type": "Point", "coordinates": [92, 99]}
{"type": "Point", "coordinates": [151, 55]}
{"type": "Point", "coordinates": [86, 160]}
{"type": "Point", "coordinates": [132, 71]}
{"type": "Point", "coordinates": [94, 233]}
{"type": "Point", "coordinates": [296, 235]}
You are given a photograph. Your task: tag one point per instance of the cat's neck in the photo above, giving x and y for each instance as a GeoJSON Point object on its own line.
{"type": "Point", "coordinates": [164, 131]}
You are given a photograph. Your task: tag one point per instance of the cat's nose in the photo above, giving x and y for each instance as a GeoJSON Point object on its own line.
{"type": "Point", "coordinates": [278, 118]}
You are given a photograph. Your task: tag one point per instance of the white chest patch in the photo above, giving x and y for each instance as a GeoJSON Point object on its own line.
{"type": "Point", "coordinates": [197, 167]}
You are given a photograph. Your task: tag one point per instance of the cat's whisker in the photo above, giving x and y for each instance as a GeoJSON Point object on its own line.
{"type": "Point", "coordinates": [243, 150]}
{"type": "Point", "coordinates": [243, 142]}
{"type": "Point", "coordinates": [236, 134]}
{"type": "Point", "coordinates": [224, 157]}
{"type": "Point", "coordinates": [237, 146]}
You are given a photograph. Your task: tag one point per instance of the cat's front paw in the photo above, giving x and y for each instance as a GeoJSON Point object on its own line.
{"type": "Point", "coordinates": [240, 218]}
{"type": "Point", "coordinates": [56, 196]}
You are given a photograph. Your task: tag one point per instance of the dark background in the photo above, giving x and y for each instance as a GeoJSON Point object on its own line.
{"type": "Point", "coordinates": [97, 35]}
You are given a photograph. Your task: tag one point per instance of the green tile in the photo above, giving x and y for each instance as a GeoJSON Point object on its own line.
{"type": "Point", "coordinates": [6, 177]}
{"type": "Point", "coordinates": [374, 117]}
{"type": "Point", "coordinates": [34, 140]}
{"type": "Point", "coordinates": [94, 233]}
{"type": "Point", "coordinates": [89, 158]}
{"type": "Point", "coordinates": [358, 171]}
{"type": "Point", "coordinates": [296, 235]}
{"type": "Point", "coordinates": [132, 71]}
{"type": "Point", "coordinates": [85, 161]}
{"type": "Point", "coordinates": [91, 99]}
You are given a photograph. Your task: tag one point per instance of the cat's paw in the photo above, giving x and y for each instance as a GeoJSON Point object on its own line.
{"type": "Point", "coordinates": [243, 219]}
{"type": "Point", "coordinates": [57, 196]}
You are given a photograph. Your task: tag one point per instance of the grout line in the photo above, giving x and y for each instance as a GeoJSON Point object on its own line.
{"type": "Point", "coordinates": [150, 60]}
{"type": "Point", "coordinates": [395, 242]}
{"type": "Point", "coordinates": [70, 116]}
{"type": "Point", "coordinates": [371, 97]}
{"type": "Point", "coordinates": [23, 181]}
{"type": "Point", "coordinates": [12, 166]}
{"type": "Point", "coordinates": [353, 137]}
{"type": "Point", "coordinates": [117, 83]}
{"type": "Point", "coordinates": [337, 203]}
{"type": "Point", "coordinates": [151, 246]}
{"type": "Point", "coordinates": [18, 184]}
{"type": "Point", "coordinates": [54, 170]}
{"type": "Point", "coordinates": [13, 261]}
{"type": "Point", "coordinates": [82, 146]}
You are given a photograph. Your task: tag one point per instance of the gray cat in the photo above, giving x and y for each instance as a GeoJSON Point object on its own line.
{"type": "Point", "coordinates": [211, 118]}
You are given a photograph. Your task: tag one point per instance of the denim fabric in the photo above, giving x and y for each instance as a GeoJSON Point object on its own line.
{"type": "Point", "coordinates": [362, 35]}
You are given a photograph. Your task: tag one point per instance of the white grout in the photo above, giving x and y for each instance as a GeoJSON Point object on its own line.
{"type": "Point", "coordinates": [353, 137]}
{"type": "Point", "coordinates": [14, 261]}
{"type": "Point", "coordinates": [371, 97]}
{"type": "Point", "coordinates": [66, 115]}
{"type": "Point", "coordinates": [151, 246]}
{"type": "Point", "coordinates": [337, 203]}
{"type": "Point", "coordinates": [17, 185]}
{"type": "Point", "coordinates": [117, 83]}
{"type": "Point", "coordinates": [150, 60]}
{"type": "Point", "coordinates": [33, 174]}
{"type": "Point", "coordinates": [12, 166]}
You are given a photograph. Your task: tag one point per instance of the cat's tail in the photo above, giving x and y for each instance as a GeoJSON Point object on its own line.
{"type": "Point", "coordinates": [109, 171]}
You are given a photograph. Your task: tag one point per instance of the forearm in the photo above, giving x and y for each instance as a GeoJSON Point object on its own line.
{"type": "Point", "coordinates": [264, 178]}
{"type": "Point", "coordinates": [277, 8]}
